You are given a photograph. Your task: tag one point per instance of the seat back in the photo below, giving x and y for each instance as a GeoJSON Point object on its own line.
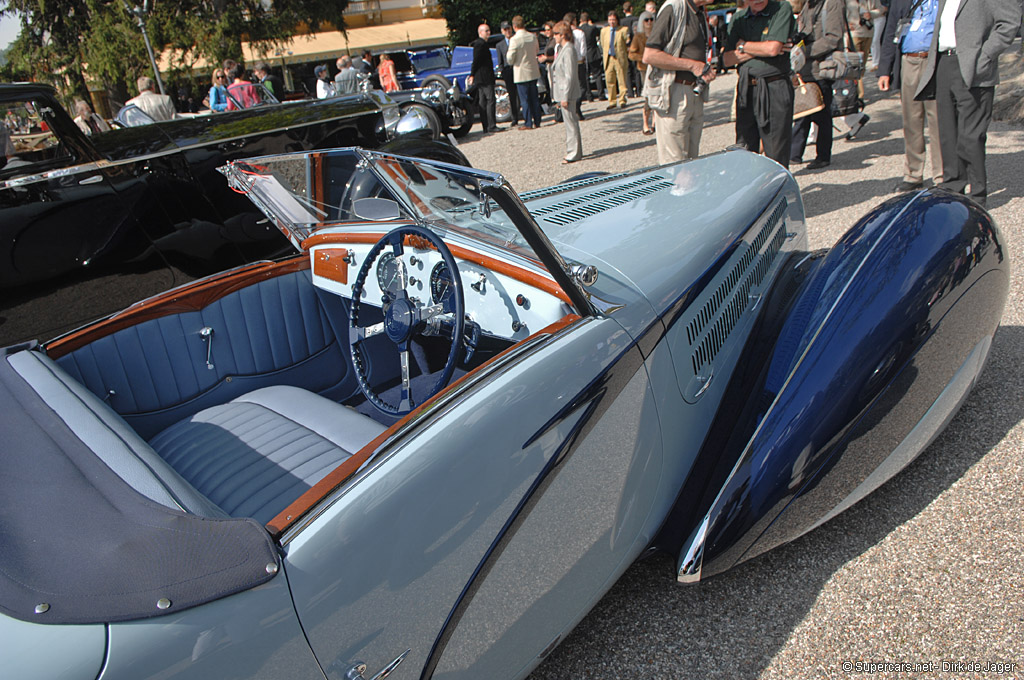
{"type": "Point", "coordinates": [105, 433]}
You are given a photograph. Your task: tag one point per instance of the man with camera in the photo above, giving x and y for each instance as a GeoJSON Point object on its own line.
{"type": "Point", "coordinates": [764, 92]}
{"type": "Point", "coordinates": [676, 84]}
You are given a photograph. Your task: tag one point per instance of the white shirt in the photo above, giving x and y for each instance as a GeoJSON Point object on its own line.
{"type": "Point", "coordinates": [324, 89]}
{"type": "Point", "coordinates": [580, 42]}
{"type": "Point", "coordinates": [947, 25]}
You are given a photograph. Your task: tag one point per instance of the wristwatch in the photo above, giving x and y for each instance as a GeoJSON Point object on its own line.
{"type": "Point", "coordinates": [741, 48]}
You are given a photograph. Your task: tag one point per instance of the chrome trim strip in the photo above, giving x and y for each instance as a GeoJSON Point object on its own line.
{"type": "Point", "coordinates": [693, 555]}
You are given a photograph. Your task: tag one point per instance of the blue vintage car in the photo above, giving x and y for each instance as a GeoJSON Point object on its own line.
{"type": "Point", "coordinates": [426, 445]}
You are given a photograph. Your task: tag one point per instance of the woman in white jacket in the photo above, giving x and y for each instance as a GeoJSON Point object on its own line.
{"type": "Point", "coordinates": [565, 90]}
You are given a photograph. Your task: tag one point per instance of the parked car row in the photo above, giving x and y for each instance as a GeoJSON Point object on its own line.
{"type": "Point", "coordinates": [90, 223]}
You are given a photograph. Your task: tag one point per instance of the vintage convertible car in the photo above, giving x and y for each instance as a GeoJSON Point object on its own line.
{"type": "Point", "coordinates": [427, 445]}
{"type": "Point", "coordinates": [89, 224]}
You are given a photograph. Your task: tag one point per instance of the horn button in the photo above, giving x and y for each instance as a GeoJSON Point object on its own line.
{"type": "Point", "coordinates": [399, 320]}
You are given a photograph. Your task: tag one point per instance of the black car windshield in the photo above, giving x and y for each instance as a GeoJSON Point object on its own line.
{"type": "Point", "coordinates": [306, 192]}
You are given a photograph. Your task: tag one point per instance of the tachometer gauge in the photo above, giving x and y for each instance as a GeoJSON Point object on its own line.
{"type": "Point", "coordinates": [442, 284]}
{"type": "Point", "coordinates": [391, 276]}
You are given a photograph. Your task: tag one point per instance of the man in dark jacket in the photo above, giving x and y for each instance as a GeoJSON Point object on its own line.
{"type": "Point", "coordinates": [962, 70]}
{"type": "Point", "coordinates": [481, 77]}
{"type": "Point", "coordinates": [506, 70]}
{"type": "Point", "coordinates": [908, 35]}
{"type": "Point", "coordinates": [592, 56]}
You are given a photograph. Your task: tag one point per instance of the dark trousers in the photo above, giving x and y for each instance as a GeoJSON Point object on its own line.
{"type": "Point", "coordinates": [964, 115]}
{"type": "Point", "coordinates": [485, 106]}
{"type": "Point", "coordinates": [771, 125]}
{"type": "Point", "coordinates": [513, 94]}
{"type": "Point", "coordinates": [530, 101]}
{"type": "Point", "coordinates": [595, 70]}
{"type": "Point", "coordinates": [801, 128]}
{"type": "Point", "coordinates": [581, 73]}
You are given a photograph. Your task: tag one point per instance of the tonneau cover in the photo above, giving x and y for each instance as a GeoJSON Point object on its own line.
{"type": "Point", "coordinates": [79, 545]}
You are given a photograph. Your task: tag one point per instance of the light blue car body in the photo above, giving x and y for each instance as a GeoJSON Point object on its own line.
{"type": "Point", "coordinates": [489, 524]}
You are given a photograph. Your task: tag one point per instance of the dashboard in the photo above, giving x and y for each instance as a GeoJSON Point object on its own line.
{"type": "Point", "coordinates": [507, 301]}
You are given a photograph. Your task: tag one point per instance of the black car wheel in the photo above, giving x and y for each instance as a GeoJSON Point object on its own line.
{"type": "Point", "coordinates": [502, 105]}
{"type": "Point", "coordinates": [460, 118]}
{"type": "Point", "coordinates": [436, 83]}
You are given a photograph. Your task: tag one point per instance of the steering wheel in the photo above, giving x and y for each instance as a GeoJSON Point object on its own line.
{"type": "Point", "coordinates": [404, 319]}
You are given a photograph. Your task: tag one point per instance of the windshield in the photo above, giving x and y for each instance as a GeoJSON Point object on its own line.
{"type": "Point", "coordinates": [305, 192]}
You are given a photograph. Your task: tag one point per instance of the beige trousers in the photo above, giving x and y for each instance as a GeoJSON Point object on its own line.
{"type": "Point", "coordinates": [915, 114]}
{"type": "Point", "coordinates": [616, 80]}
{"type": "Point", "coordinates": [678, 132]}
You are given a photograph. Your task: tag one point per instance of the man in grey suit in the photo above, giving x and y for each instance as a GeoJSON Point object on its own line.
{"type": "Point", "coordinates": [963, 70]}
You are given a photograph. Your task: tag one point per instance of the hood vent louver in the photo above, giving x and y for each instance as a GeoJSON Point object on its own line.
{"type": "Point", "coordinates": [593, 203]}
{"type": "Point", "coordinates": [715, 318]}
{"type": "Point", "coordinates": [569, 186]}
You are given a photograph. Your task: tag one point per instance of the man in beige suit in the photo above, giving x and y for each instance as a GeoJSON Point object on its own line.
{"type": "Point", "coordinates": [522, 55]}
{"type": "Point", "coordinates": [614, 48]}
{"type": "Point", "coordinates": [158, 106]}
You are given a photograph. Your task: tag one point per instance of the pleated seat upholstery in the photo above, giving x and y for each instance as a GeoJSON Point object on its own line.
{"type": "Point", "coordinates": [255, 455]}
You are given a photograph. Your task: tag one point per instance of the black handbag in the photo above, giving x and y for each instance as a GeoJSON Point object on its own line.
{"type": "Point", "coordinates": [844, 98]}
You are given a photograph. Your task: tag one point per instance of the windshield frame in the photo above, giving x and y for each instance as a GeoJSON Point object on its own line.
{"type": "Point", "coordinates": [304, 193]}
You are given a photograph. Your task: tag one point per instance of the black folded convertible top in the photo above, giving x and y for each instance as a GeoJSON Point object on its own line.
{"type": "Point", "coordinates": [79, 545]}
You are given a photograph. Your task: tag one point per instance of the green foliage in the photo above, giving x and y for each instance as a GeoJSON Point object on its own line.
{"type": "Point", "coordinates": [60, 37]}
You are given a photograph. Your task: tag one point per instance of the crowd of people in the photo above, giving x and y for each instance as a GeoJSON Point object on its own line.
{"type": "Point", "coordinates": [941, 55]}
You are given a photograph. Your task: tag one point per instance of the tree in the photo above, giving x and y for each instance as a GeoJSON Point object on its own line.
{"type": "Point", "coordinates": [60, 37]}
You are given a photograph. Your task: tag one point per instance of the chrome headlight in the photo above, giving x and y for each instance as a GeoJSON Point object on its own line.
{"type": "Point", "coordinates": [392, 115]}
{"type": "Point", "coordinates": [413, 120]}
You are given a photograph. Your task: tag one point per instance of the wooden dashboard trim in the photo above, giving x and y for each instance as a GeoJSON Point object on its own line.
{"type": "Point", "coordinates": [334, 479]}
{"type": "Point", "coordinates": [189, 298]}
{"type": "Point", "coordinates": [512, 271]}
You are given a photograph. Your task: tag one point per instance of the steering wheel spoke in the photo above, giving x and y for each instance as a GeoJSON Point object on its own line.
{"type": "Point", "coordinates": [360, 333]}
{"type": "Point", "coordinates": [406, 403]}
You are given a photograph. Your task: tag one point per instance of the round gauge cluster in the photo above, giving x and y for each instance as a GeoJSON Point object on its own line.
{"type": "Point", "coordinates": [442, 284]}
{"type": "Point", "coordinates": [391, 275]}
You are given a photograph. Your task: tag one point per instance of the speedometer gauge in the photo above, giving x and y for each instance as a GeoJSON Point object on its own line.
{"type": "Point", "coordinates": [391, 275]}
{"type": "Point", "coordinates": [442, 284]}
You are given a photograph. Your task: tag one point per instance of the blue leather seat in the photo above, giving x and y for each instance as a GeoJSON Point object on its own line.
{"type": "Point", "coordinates": [251, 457]}
{"type": "Point", "coordinates": [256, 454]}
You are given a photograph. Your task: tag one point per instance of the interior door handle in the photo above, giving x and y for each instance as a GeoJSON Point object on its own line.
{"type": "Point", "coordinates": [92, 179]}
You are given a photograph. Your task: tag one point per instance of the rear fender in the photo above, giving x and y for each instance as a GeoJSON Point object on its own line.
{"type": "Point", "coordinates": [882, 344]}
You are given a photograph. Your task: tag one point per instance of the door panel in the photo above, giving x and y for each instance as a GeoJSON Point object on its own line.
{"type": "Point", "coordinates": [381, 570]}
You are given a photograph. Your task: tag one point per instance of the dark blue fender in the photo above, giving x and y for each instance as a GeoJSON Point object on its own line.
{"type": "Point", "coordinates": [874, 356]}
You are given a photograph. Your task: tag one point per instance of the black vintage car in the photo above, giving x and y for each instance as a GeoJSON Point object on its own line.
{"type": "Point", "coordinates": [90, 223]}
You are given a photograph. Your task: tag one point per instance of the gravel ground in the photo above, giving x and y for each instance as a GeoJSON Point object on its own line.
{"type": "Point", "coordinates": [929, 569]}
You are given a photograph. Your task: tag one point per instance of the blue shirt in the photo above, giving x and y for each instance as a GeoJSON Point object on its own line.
{"type": "Point", "coordinates": [218, 98]}
{"type": "Point", "coordinates": [922, 25]}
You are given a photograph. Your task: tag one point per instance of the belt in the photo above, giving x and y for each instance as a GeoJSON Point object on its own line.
{"type": "Point", "coordinates": [922, 55]}
{"type": "Point", "coordinates": [947, 53]}
{"type": "Point", "coordinates": [767, 79]}
{"type": "Point", "coordinates": [685, 77]}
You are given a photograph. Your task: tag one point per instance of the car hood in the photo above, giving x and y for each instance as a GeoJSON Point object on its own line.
{"type": "Point", "coordinates": [658, 232]}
